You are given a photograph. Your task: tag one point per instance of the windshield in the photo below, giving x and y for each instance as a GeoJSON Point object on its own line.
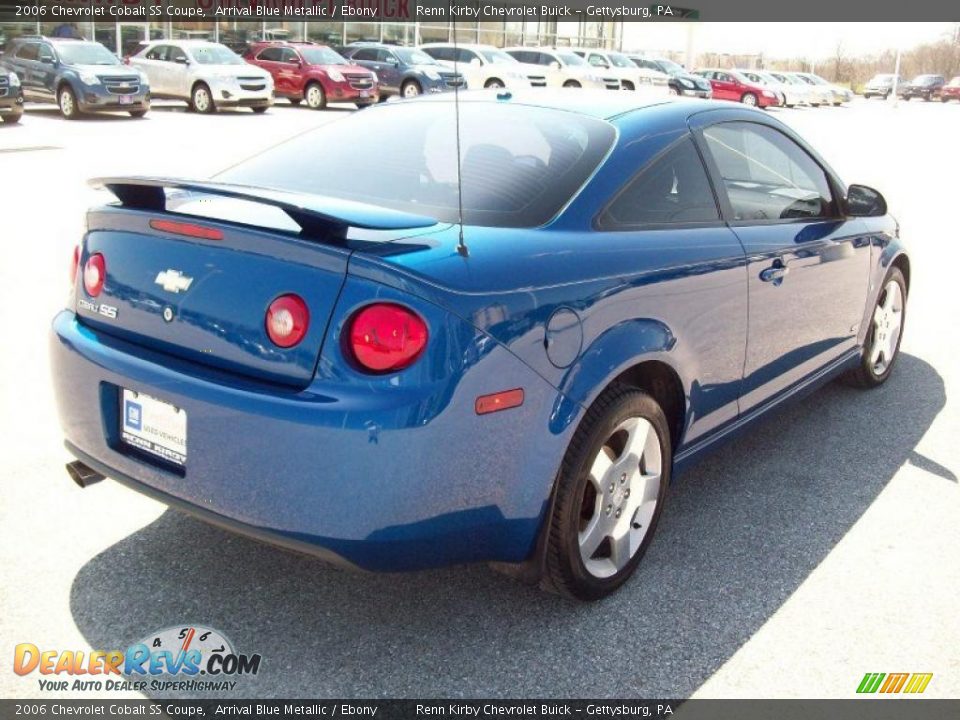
{"type": "Point", "coordinates": [569, 58]}
{"type": "Point", "coordinates": [498, 56]}
{"type": "Point", "coordinates": [621, 61]}
{"type": "Point", "coordinates": [756, 77]}
{"type": "Point", "coordinates": [322, 56]}
{"type": "Point", "coordinates": [215, 55]}
{"type": "Point", "coordinates": [414, 57]}
{"type": "Point", "coordinates": [86, 54]}
{"type": "Point", "coordinates": [519, 164]}
{"type": "Point", "coordinates": [670, 66]}
{"type": "Point", "coordinates": [924, 79]}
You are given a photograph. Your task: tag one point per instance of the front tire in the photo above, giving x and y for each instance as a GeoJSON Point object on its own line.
{"type": "Point", "coordinates": [749, 99]}
{"type": "Point", "coordinates": [882, 346]}
{"type": "Point", "coordinates": [201, 99]}
{"type": "Point", "coordinates": [259, 110]}
{"type": "Point", "coordinates": [67, 100]}
{"type": "Point", "coordinates": [572, 84]}
{"type": "Point", "coordinates": [315, 96]}
{"type": "Point", "coordinates": [411, 89]}
{"type": "Point", "coordinates": [12, 118]}
{"type": "Point", "coordinates": [494, 84]}
{"type": "Point", "coordinates": [609, 494]}
{"type": "Point", "coordinates": [138, 113]}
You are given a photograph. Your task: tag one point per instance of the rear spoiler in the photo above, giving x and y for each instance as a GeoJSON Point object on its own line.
{"type": "Point", "coordinates": [316, 215]}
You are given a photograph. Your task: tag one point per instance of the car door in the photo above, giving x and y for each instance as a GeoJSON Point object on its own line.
{"type": "Point", "coordinates": [23, 64]}
{"type": "Point", "coordinates": [807, 264]}
{"type": "Point", "coordinates": [690, 275]}
{"type": "Point", "coordinates": [388, 69]}
{"type": "Point", "coordinates": [269, 59]}
{"type": "Point", "coordinates": [177, 72]}
{"type": "Point", "coordinates": [288, 78]}
{"type": "Point", "coordinates": [724, 86]}
{"type": "Point", "coordinates": [153, 64]}
{"type": "Point", "coordinates": [45, 72]}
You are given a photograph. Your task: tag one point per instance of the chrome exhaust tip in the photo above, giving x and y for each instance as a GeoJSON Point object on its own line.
{"type": "Point", "coordinates": [83, 475]}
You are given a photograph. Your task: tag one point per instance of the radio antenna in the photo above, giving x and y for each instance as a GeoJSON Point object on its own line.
{"type": "Point", "coordinates": [462, 248]}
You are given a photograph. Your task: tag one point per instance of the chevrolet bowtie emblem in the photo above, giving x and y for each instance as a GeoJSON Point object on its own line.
{"type": "Point", "coordinates": [173, 281]}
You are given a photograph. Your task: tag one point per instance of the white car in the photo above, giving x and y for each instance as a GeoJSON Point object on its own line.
{"type": "Point", "coordinates": [206, 75]}
{"type": "Point", "coordinates": [838, 95]}
{"type": "Point", "coordinates": [616, 65]}
{"type": "Point", "coordinates": [556, 68]}
{"type": "Point", "coordinates": [799, 90]}
{"type": "Point", "coordinates": [819, 94]}
{"type": "Point", "coordinates": [484, 66]}
{"type": "Point", "coordinates": [790, 94]}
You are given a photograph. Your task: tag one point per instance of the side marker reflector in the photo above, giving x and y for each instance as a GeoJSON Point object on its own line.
{"type": "Point", "coordinates": [499, 401]}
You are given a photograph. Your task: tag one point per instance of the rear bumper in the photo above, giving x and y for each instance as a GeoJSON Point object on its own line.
{"type": "Point", "coordinates": [382, 488]}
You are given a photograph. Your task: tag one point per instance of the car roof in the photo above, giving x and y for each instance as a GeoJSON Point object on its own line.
{"type": "Point", "coordinates": [600, 104]}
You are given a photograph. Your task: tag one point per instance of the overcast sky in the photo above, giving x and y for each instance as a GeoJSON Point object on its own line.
{"type": "Point", "coordinates": [813, 40]}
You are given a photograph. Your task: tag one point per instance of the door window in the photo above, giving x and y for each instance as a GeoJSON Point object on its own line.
{"type": "Point", "coordinates": [273, 54]}
{"type": "Point", "coordinates": [28, 51]}
{"type": "Point", "coordinates": [674, 189]}
{"type": "Point", "coordinates": [766, 175]}
{"type": "Point", "coordinates": [157, 52]}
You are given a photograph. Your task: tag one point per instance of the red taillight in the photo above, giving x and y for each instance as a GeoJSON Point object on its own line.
{"type": "Point", "coordinates": [386, 337]}
{"type": "Point", "coordinates": [74, 265]}
{"type": "Point", "coordinates": [287, 320]}
{"type": "Point", "coordinates": [188, 229]}
{"type": "Point", "coordinates": [94, 273]}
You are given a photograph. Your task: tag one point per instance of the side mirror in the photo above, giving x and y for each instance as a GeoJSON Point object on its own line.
{"type": "Point", "coordinates": [555, 65]}
{"type": "Point", "coordinates": [863, 201]}
{"type": "Point", "coordinates": [181, 61]}
{"type": "Point", "coordinates": [476, 62]}
{"type": "Point", "coordinates": [48, 60]}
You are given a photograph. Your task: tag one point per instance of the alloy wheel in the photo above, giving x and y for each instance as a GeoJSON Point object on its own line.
{"type": "Point", "coordinates": [411, 90]}
{"type": "Point", "coordinates": [620, 499]}
{"type": "Point", "coordinates": [201, 100]}
{"type": "Point", "coordinates": [887, 325]}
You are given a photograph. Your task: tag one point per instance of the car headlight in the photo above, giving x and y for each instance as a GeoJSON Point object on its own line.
{"type": "Point", "coordinates": [88, 78]}
{"type": "Point", "coordinates": [144, 80]}
{"type": "Point", "coordinates": [688, 84]}
{"type": "Point", "coordinates": [767, 93]}
{"type": "Point", "coordinates": [376, 78]}
{"type": "Point", "coordinates": [14, 80]}
{"type": "Point", "coordinates": [335, 75]}
{"type": "Point", "coordinates": [432, 74]}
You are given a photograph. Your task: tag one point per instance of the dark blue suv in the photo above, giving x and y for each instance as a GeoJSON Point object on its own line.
{"type": "Point", "coordinates": [80, 76]}
{"type": "Point", "coordinates": [404, 71]}
{"type": "Point", "coordinates": [11, 97]}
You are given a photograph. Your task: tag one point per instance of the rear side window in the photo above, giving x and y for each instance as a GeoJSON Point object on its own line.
{"type": "Point", "coordinates": [519, 165]}
{"type": "Point", "coordinates": [673, 189]}
{"type": "Point", "coordinates": [365, 54]}
{"type": "Point", "coordinates": [766, 175]}
{"type": "Point", "coordinates": [29, 51]}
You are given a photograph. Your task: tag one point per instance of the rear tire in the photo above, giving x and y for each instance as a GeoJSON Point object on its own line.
{"type": "Point", "coordinates": [138, 113]}
{"type": "Point", "coordinates": [494, 84]}
{"type": "Point", "coordinates": [882, 346]}
{"type": "Point", "coordinates": [259, 110]}
{"type": "Point", "coordinates": [597, 534]}
{"type": "Point", "coordinates": [572, 84]}
{"type": "Point", "coordinates": [12, 118]}
{"type": "Point", "coordinates": [294, 101]}
{"type": "Point", "coordinates": [627, 85]}
{"type": "Point", "coordinates": [315, 96]}
{"type": "Point", "coordinates": [201, 99]}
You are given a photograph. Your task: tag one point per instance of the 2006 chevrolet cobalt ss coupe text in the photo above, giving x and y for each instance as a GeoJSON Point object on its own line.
{"type": "Point", "coordinates": [306, 350]}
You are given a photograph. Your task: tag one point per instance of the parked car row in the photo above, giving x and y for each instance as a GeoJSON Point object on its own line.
{"type": "Point", "coordinates": [926, 87]}
{"type": "Point", "coordinates": [764, 89]}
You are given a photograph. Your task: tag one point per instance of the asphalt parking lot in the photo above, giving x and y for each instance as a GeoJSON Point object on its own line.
{"type": "Point", "coordinates": [819, 547]}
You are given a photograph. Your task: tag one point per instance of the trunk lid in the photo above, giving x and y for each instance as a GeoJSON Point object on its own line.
{"type": "Point", "coordinates": [205, 298]}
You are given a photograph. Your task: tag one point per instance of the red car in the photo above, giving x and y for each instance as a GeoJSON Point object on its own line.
{"type": "Point", "coordinates": [315, 73]}
{"type": "Point", "coordinates": [731, 85]}
{"type": "Point", "coordinates": [951, 91]}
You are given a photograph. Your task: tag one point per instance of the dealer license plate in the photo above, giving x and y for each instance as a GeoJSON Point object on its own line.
{"type": "Point", "coordinates": [154, 426]}
{"type": "Point", "coordinates": [126, 99]}
{"type": "Point", "coordinates": [364, 93]}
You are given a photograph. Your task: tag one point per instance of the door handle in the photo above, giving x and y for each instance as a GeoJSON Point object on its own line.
{"type": "Point", "coordinates": [775, 273]}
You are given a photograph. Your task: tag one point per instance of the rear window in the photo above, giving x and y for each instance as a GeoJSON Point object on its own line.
{"type": "Point", "coordinates": [520, 165]}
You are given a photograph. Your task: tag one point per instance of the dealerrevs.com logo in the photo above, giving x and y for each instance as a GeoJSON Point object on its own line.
{"type": "Point", "coordinates": [182, 658]}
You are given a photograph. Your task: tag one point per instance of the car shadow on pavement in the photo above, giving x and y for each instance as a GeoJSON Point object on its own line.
{"type": "Point", "coordinates": [742, 530]}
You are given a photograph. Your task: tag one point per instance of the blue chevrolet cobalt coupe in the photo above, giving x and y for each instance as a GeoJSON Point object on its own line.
{"type": "Point", "coordinates": [357, 346]}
